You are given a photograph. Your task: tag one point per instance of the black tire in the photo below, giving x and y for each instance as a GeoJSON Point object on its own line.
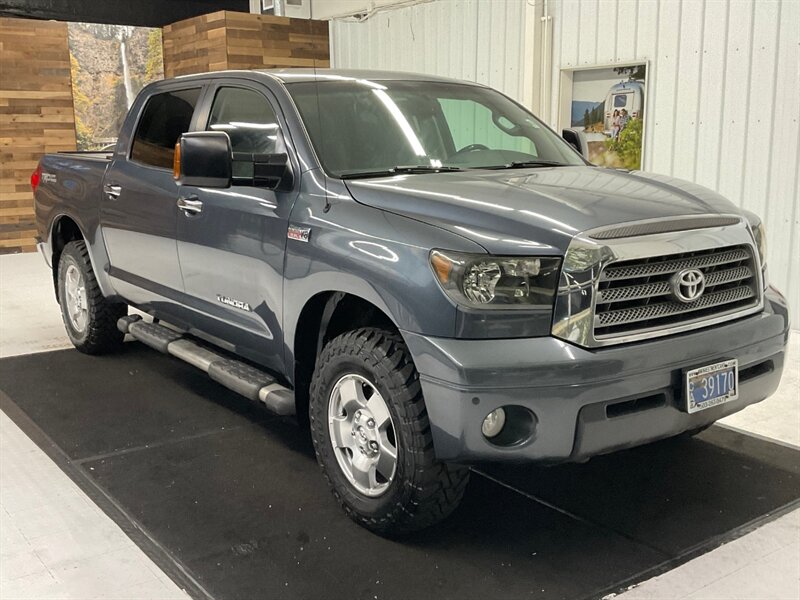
{"type": "Point", "coordinates": [100, 334]}
{"type": "Point", "coordinates": [424, 490]}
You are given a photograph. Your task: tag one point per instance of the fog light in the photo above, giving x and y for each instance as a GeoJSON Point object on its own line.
{"type": "Point", "coordinates": [493, 423]}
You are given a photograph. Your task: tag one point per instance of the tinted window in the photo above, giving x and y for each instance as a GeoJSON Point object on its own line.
{"type": "Point", "coordinates": [165, 118]}
{"type": "Point", "coordinates": [248, 119]}
{"type": "Point", "coordinates": [620, 100]}
{"type": "Point", "coordinates": [361, 126]}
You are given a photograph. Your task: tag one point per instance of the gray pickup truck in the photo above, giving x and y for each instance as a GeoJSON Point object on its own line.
{"type": "Point", "coordinates": [417, 268]}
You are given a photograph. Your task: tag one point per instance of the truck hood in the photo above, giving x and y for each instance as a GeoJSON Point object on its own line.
{"type": "Point", "coordinates": [535, 210]}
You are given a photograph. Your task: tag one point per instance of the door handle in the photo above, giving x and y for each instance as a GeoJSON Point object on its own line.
{"type": "Point", "coordinates": [112, 191]}
{"type": "Point", "coordinates": [190, 206]}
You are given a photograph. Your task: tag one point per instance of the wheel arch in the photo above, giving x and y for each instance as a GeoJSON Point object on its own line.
{"type": "Point", "coordinates": [64, 230]}
{"type": "Point", "coordinates": [324, 316]}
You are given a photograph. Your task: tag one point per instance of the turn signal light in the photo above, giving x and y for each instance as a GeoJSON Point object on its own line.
{"type": "Point", "coordinates": [442, 266]}
{"type": "Point", "coordinates": [176, 161]}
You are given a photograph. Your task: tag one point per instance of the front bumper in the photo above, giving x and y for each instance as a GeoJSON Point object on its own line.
{"type": "Point", "coordinates": [570, 389]}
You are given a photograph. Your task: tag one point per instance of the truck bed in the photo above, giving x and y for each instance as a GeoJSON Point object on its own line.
{"type": "Point", "coordinates": [104, 155]}
{"type": "Point", "coordinates": [72, 183]}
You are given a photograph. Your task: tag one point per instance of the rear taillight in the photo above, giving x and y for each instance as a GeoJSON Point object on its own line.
{"type": "Point", "coordinates": [36, 177]}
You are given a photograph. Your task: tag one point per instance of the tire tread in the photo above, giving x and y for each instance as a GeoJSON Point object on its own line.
{"type": "Point", "coordinates": [434, 488]}
{"type": "Point", "coordinates": [102, 336]}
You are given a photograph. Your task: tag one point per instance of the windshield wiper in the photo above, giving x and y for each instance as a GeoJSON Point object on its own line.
{"type": "Point", "coordinates": [398, 170]}
{"type": "Point", "coordinates": [524, 164]}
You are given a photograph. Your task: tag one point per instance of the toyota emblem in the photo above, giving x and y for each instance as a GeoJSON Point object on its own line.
{"type": "Point", "coordinates": [688, 285]}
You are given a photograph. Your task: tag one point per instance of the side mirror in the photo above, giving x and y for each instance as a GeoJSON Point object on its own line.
{"type": "Point", "coordinates": [203, 159]}
{"type": "Point", "coordinates": [577, 139]}
{"type": "Point", "coordinates": [271, 171]}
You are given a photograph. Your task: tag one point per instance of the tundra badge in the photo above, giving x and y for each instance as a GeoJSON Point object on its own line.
{"type": "Point", "coordinates": [233, 302]}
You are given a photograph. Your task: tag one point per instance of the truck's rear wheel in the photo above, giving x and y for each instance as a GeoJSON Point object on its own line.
{"type": "Point", "coordinates": [90, 319]}
{"type": "Point", "coordinates": [372, 435]}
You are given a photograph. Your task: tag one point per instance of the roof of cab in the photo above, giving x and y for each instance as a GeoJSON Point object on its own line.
{"type": "Point", "coordinates": [306, 74]}
{"type": "Point", "coordinates": [293, 75]}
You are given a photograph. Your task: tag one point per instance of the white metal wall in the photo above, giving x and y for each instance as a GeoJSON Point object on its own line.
{"type": "Point", "coordinates": [477, 40]}
{"type": "Point", "coordinates": [724, 83]}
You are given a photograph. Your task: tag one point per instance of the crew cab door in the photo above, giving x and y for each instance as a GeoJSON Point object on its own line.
{"type": "Point", "coordinates": [231, 242]}
{"type": "Point", "coordinates": [138, 212]}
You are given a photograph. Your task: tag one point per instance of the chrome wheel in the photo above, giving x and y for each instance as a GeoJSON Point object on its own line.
{"type": "Point", "coordinates": [362, 434]}
{"type": "Point", "coordinates": [75, 291]}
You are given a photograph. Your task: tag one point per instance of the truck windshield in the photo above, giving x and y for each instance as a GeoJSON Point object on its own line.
{"type": "Point", "coordinates": [371, 128]}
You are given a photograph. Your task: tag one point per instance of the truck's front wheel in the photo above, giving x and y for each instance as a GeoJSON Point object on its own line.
{"type": "Point", "coordinates": [372, 435]}
{"type": "Point", "coordinates": [89, 318]}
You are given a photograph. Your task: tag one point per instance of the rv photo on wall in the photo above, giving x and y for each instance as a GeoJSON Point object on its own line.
{"type": "Point", "coordinates": [608, 103]}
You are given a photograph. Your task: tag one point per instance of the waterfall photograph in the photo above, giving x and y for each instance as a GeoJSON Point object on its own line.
{"type": "Point", "coordinates": [109, 65]}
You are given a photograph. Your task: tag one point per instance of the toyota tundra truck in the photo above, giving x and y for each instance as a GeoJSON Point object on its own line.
{"type": "Point", "coordinates": [418, 269]}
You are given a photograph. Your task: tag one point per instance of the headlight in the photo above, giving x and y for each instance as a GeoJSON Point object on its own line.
{"type": "Point", "coordinates": [510, 282]}
{"type": "Point", "coordinates": [760, 237]}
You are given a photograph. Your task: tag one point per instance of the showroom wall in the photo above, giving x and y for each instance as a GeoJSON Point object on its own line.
{"type": "Point", "coordinates": [722, 104]}
{"type": "Point", "coordinates": [36, 116]}
{"type": "Point", "coordinates": [234, 40]}
{"type": "Point", "coordinates": [467, 39]}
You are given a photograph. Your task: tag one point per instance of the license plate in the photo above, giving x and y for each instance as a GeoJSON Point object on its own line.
{"type": "Point", "coordinates": [712, 385]}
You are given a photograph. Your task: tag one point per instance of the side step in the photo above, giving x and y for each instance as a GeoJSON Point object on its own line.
{"type": "Point", "coordinates": [240, 377]}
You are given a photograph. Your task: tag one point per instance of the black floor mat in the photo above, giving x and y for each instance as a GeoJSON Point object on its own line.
{"type": "Point", "coordinates": [234, 497]}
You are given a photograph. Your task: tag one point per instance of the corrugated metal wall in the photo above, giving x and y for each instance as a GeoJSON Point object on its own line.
{"type": "Point", "coordinates": [724, 83]}
{"type": "Point", "coordinates": [477, 40]}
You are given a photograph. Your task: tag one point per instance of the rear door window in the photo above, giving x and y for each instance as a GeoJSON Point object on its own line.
{"type": "Point", "coordinates": [165, 118]}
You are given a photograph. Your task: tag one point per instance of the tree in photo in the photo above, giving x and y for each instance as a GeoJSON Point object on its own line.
{"type": "Point", "coordinates": [628, 146]}
{"type": "Point", "coordinates": [636, 72]}
{"type": "Point", "coordinates": [154, 69]}
{"type": "Point", "coordinates": [81, 105]}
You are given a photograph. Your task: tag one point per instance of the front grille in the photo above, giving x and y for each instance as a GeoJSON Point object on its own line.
{"type": "Point", "coordinates": [634, 296]}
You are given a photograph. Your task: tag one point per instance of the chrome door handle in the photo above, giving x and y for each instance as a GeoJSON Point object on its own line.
{"type": "Point", "coordinates": [112, 191]}
{"type": "Point", "coordinates": [190, 206]}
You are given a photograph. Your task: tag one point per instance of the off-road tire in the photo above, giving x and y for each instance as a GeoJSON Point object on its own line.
{"type": "Point", "coordinates": [100, 335]}
{"type": "Point", "coordinates": [424, 491]}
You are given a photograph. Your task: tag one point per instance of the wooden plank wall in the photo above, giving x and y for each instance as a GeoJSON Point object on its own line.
{"type": "Point", "coordinates": [233, 40]}
{"type": "Point", "coordinates": [36, 116]}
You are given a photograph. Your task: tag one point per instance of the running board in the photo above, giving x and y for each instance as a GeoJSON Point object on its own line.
{"type": "Point", "coordinates": [240, 377]}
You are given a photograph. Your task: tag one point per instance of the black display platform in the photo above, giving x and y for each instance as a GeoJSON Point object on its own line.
{"type": "Point", "coordinates": [229, 500]}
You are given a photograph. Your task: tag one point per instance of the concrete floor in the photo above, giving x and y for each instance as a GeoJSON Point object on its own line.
{"type": "Point", "coordinates": [55, 543]}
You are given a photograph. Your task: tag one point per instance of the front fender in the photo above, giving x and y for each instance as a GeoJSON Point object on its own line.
{"type": "Point", "coordinates": [378, 256]}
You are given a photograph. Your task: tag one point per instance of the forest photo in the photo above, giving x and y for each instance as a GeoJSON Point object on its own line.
{"type": "Point", "coordinates": [110, 64]}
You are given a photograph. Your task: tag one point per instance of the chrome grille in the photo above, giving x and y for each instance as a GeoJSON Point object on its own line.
{"type": "Point", "coordinates": [636, 295]}
{"type": "Point", "coordinates": [671, 266]}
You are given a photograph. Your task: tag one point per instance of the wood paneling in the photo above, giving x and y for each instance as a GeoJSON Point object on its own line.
{"type": "Point", "coordinates": [231, 40]}
{"type": "Point", "coordinates": [36, 116]}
